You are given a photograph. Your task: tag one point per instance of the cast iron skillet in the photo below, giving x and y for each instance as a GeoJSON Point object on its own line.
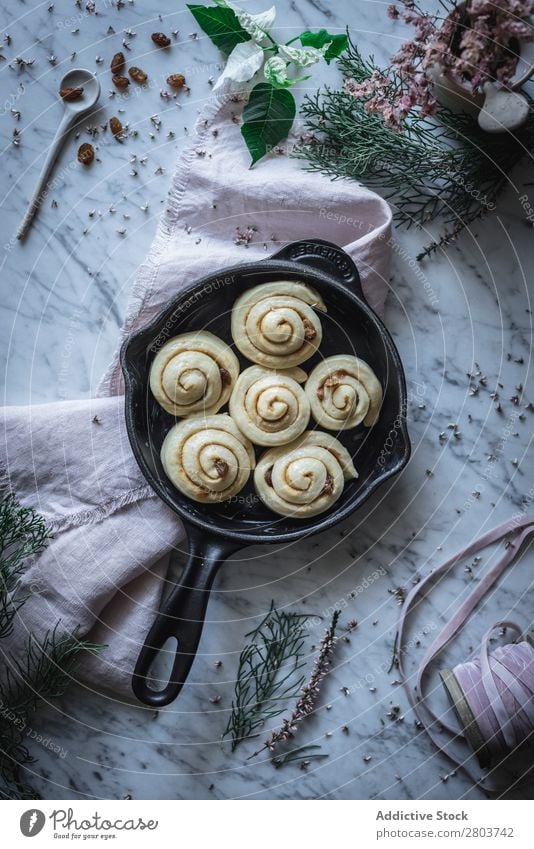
{"type": "Point", "coordinates": [215, 532]}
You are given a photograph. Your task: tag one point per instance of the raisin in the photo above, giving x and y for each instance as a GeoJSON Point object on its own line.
{"type": "Point", "coordinates": [86, 153]}
{"type": "Point", "coordinates": [176, 80]}
{"type": "Point", "coordinates": [120, 82]}
{"type": "Point", "coordinates": [115, 126]}
{"type": "Point", "coordinates": [138, 75]}
{"type": "Point", "coordinates": [160, 39]}
{"type": "Point", "coordinates": [117, 63]}
{"type": "Point", "coordinates": [70, 94]}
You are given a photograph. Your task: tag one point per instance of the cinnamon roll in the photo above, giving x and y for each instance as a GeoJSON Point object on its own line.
{"type": "Point", "coordinates": [305, 477]}
{"type": "Point", "coordinates": [269, 406]}
{"type": "Point", "coordinates": [193, 373]}
{"type": "Point", "coordinates": [343, 392]}
{"type": "Point", "coordinates": [275, 324]}
{"type": "Point", "coordinates": [207, 458]}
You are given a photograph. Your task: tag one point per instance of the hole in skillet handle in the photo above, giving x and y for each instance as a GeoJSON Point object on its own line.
{"type": "Point", "coordinates": [326, 257]}
{"type": "Point", "coordinates": [181, 616]}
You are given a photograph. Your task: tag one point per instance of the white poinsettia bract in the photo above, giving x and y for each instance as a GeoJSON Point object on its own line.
{"type": "Point", "coordinates": [243, 62]}
{"type": "Point", "coordinates": [256, 25]}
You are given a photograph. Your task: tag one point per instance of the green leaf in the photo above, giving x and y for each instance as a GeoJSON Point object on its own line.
{"type": "Point", "coordinates": [338, 43]}
{"type": "Point", "coordinates": [221, 25]}
{"type": "Point", "coordinates": [268, 118]}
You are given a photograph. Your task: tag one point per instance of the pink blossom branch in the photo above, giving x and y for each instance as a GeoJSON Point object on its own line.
{"type": "Point", "coordinates": [472, 44]}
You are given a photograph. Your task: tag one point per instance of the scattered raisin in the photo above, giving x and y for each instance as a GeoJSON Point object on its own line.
{"type": "Point", "coordinates": [120, 82]}
{"type": "Point", "coordinates": [221, 468]}
{"type": "Point", "coordinates": [225, 377]}
{"type": "Point", "coordinates": [138, 74]}
{"type": "Point", "coordinates": [115, 126]}
{"type": "Point", "coordinates": [160, 39]}
{"type": "Point", "coordinates": [269, 476]}
{"type": "Point", "coordinates": [117, 63]}
{"type": "Point", "coordinates": [176, 80]}
{"type": "Point", "coordinates": [71, 93]}
{"type": "Point", "coordinates": [86, 154]}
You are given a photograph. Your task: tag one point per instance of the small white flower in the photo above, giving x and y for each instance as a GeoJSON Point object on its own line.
{"type": "Point", "coordinates": [245, 59]}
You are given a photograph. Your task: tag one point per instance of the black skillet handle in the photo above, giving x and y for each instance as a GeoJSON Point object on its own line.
{"type": "Point", "coordinates": [182, 616]}
{"type": "Point", "coordinates": [326, 257]}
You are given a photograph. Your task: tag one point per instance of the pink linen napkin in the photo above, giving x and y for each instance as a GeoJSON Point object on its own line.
{"type": "Point", "coordinates": [113, 537]}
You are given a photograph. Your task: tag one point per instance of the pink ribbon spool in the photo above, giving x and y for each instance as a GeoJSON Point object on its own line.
{"type": "Point", "coordinates": [496, 729]}
{"type": "Point", "coordinates": [494, 699]}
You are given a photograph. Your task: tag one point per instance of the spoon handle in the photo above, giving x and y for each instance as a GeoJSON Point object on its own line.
{"type": "Point", "coordinates": [42, 188]}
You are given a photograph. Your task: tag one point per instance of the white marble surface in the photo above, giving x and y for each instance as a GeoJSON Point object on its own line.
{"type": "Point", "coordinates": [63, 296]}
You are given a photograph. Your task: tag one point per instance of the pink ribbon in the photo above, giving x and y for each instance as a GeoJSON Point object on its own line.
{"type": "Point", "coordinates": [478, 679]}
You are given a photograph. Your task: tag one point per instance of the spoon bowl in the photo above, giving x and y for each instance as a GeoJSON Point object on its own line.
{"type": "Point", "coordinates": [81, 78]}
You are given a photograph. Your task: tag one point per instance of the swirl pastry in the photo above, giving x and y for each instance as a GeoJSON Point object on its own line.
{"type": "Point", "coordinates": [344, 391]}
{"type": "Point", "coordinates": [269, 406]}
{"type": "Point", "coordinates": [193, 373]}
{"type": "Point", "coordinates": [275, 324]}
{"type": "Point", "coordinates": [304, 478]}
{"type": "Point", "coordinates": [208, 459]}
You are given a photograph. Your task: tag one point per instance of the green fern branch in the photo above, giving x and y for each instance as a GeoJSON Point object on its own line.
{"type": "Point", "coordinates": [45, 667]}
{"type": "Point", "coordinates": [268, 673]}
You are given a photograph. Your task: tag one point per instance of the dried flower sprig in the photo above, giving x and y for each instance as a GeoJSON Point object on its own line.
{"type": "Point", "coordinates": [473, 43]}
{"type": "Point", "coordinates": [309, 693]}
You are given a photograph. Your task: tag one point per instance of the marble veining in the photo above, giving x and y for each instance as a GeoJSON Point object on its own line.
{"type": "Point", "coordinates": [63, 298]}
